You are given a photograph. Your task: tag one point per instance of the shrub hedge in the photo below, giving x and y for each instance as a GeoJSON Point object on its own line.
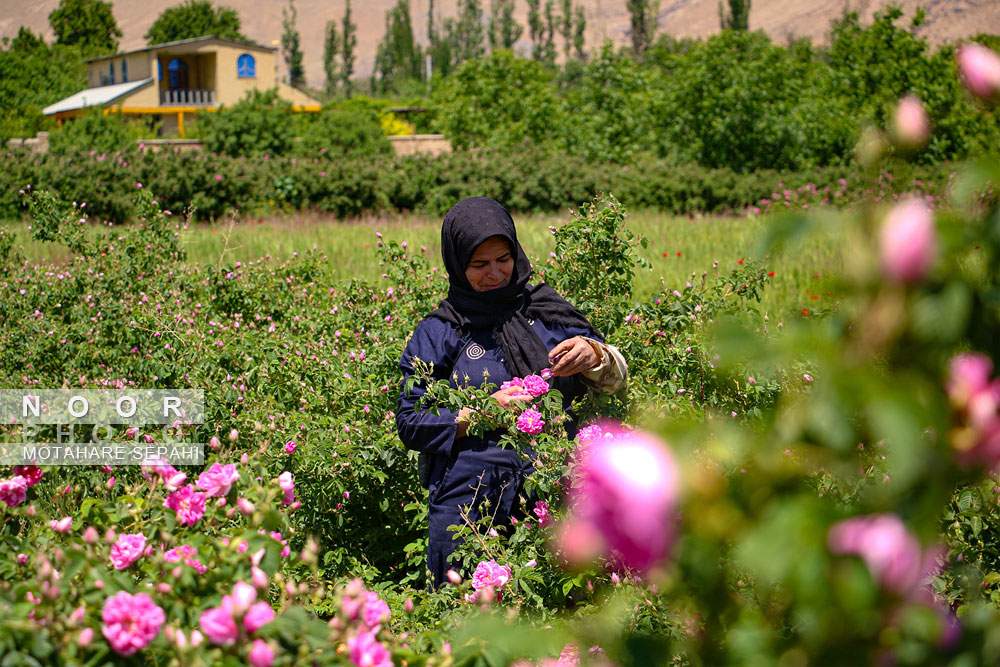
{"type": "Point", "coordinates": [529, 179]}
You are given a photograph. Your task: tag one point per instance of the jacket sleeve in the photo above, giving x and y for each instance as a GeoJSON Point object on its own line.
{"type": "Point", "coordinates": [611, 374]}
{"type": "Point", "coordinates": [435, 342]}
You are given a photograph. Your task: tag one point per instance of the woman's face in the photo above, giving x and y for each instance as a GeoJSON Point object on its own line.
{"type": "Point", "coordinates": [491, 265]}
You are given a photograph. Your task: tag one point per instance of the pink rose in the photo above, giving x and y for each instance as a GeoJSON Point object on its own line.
{"type": "Point", "coordinates": [218, 623]}
{"type": "Point", "coordinates": [127, 550]}
{"type": "Point", "coordinates": [542, 512]}
{"type": "Point", "coordinates": [366, 651]}
{"type": "Point", "coordinates": [131, 622]}
{"type": "Point", "coordinates": [375, 611]}
{"type": "Point", "coordinates": [977, 397]}
{"type": "Point", "coordinates": [290, 447]}
{"type": "Point", "coordinates": [258, 616]}
{"type": "Point", "coordinates": [179, 553]}
{"type": "Point", "coordinates": [588, 433]}
{"type": "Point", "coordinates": [908, 242]}
{"type": "Point", "coordinates": [890, 551]}
{"type": "Point", "coordinates": [530, 421]}
{"type": "Point", "coordinates": [489, 573]}
{"type": "Point", "coordinates": [188, 503]}
{"type": "Point", "coordinates": [161, 468]}
{"type": "Point", "coordinates": [217, 480]}
{"type": "Point", "coordinates": [535, 385]}
{"type": "Point", "coordinates": [243, 597]}
{"type": "Point", "coordinates": [287, 484]}
{"type": "Point", "coordinates": [912, 126]}
{"type": "Point", "coordinates": [63, 525]}
{"type": "Point", "coordinates": [31, 474]}
{"type": "Point", "coordinates": [261, 654]}
{"type": "Point", "coordinates": [13, 491]}
{"type": "Point", "coordinates": [980, 68]}
{"type": "Point", "coordinates": [624, 493]}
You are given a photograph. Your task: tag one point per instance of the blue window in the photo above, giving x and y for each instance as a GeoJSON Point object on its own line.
{"type": "Point", "coordinates": [246, 67]}
{"type": "Point", "coordinates": [124, 71]}
{"type": "Point", "coordinates": [177, 71]}
{"type": "Point", "coordinates": [111, 72]}
{"type": "Point", "coordinates": [159, 70]}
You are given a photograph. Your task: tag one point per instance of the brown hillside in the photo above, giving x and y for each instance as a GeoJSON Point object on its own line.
{"type": "Point", "coordinates": [946, 20]}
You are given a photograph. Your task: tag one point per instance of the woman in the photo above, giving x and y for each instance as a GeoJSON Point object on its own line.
{"type": "Point", "coordinates": [492, 322]}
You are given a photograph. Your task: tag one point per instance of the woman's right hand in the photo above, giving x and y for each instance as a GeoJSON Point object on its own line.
{"type": "Point", "coordinates": [511, 395]}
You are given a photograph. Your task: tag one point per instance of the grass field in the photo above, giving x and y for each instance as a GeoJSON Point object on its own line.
{"type": "Point", "coordinates": [678, 247]}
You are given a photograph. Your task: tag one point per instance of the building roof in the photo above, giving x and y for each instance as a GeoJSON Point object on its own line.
{"type": "Point", "coordinates": [181, 42]}
{"type": "Point", "coordinates": [94, 97]}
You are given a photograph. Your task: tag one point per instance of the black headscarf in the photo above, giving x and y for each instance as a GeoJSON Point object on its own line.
{"type": "Point", "coordinates": [505, 310]}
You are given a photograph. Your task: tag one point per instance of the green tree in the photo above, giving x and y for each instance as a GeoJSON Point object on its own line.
{"type": "Point", "coordinates": [331, 52]}
{"type": "Point", "coordinates": [89, 24]}
{"type": "Point", "coordinates": [470, 39]}
{"type": "Point", "coordinates": [397, 55]}
{"type": "Point", "coordinates": [195, 18]}
{"type": "Point", "coordinates": [291, 47]}
{"type": "Point", "coordinates": [566, 26]}
{"type": "Point", "coordinates": [536, 29]}
{"type": "Point", "coordinates": [498, 100]}
{"type": "Point", "coordinates": [644, 18]}
{"type": "Point", "coordinates": [260, 123]}
{"type": "Point", "coordinates": [738, 16]}
{"type": "Point", "coordinates": [504, 28]}
{"type": "Point", "coordinates": [348, 42]}
{"type": "Point", "coordinates": [27, 42]}
{"type": "Point", "coordinates": [548, 54]}
{"type": "Point", "coordinates": [579, 30]}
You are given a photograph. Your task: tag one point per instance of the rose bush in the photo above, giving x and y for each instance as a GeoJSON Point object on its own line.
{"type": "Point", "coordinates": [828, 494]}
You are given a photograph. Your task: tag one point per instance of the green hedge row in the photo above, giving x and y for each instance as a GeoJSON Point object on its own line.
{"type": "Point", "coordinates": [528, 180]}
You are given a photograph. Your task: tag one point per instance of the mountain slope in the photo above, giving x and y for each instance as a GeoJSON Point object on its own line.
{"type": "Point", "coordinates": [946, 20]}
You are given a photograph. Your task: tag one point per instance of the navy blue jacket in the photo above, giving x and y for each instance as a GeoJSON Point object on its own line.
{"type": "Point", "coordinates": [455, 355]}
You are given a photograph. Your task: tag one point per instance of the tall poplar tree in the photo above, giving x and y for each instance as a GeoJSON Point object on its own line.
{"type": "Point", "coordinates": [348, 42]}
{"type": "Point", "coordinates": [504, 28]}
{"type": "Point", "coordinates": [566, 26]}
{"type": "Point", "coordinates": [470, 39]}
{"type": "Point", "coordinates": [397, 55]}
{"type": "Point", "coordinates": [549, 45]}
{"type": "Point", "coordinates": [579, 30]}
{"type": "Point", "coordinates": [291, 47]}
{"type": "Point", "coordinates": [536, 28]}
{"type": "Point", "coordinates": [644, 15]}
{"type": "Point", "coordinates": [738, 16]}
{"type": "Point", "coordinates": [331, 53]}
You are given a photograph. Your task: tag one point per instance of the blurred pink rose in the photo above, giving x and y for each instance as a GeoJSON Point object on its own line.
{"type": "Point", "coordinates": [244, 595]}
{"type": "Point", "coordinates": [287, 484]}
{"type": "Point", "coordinates": [261, 654]}
{"type": "Point", "coordinates": [13, 491]}
{"type": "Point", "coordinates": [980, 68]}
{"type": "Point", "coordinates": [131, 622]}
{"type": "Point", "coordinates": [890, 551]}
{"type": "Point", "coordinates": [977, 397]}
{"type": "Point", "coordinates": [625, 489]}
{"type": "Point", "coordinates": [911, 124]}
{"type": "Point", "coordinates": [258, 616]}
{"type": "Point", "coordinates": [290, 447]}
{"type": "Point", "coordinates": [31, 474]}
{"type": "Point", "coordinates": [63, 525]}
{"type": "Point", "coordinates": [375, 611]}
{"type": "Point", "coordinates": [366, 651]}
{"type": "Point", "coordinates": [217, 480]}
{"type": "Point", "coordinates": [218, 624]}
{"type": "Point", "coordinates": [908, 243]}
{"type": "Point", "coordinates": [127, 550]}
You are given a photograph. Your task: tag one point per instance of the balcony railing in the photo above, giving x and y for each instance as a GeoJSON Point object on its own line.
{"type": "Point", "coordinates": [187, 97]}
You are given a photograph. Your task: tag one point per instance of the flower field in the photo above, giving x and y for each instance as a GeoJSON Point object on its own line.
{"type": "Point", "coordinates": [781, 483]}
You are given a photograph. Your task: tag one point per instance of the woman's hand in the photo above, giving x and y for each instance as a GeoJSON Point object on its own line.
{"type": "Point", "coordinates": [572, 356]}
{"type": "Point", "coordinates": [510, 395]}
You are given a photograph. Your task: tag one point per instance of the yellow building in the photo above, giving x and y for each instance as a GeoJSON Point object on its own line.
{"type": "Point", "coordinates": [170, 80]}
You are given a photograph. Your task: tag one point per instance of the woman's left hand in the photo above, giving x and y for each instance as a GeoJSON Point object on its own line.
{"type": "Point", "coordinates": [572, 356]}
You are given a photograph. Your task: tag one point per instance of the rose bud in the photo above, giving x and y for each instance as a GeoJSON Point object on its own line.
{"type": "Point", "coordinates": [980, 68]}
{"type": "Point", "coordinates": [908, 243]}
